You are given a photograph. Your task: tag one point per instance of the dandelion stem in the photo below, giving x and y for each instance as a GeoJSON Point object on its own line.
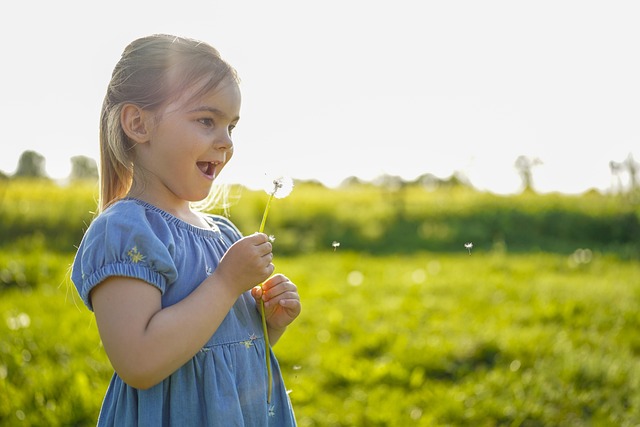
{"type": "Point", "coordinates": [267, 350]}
{"type": "Point", "coordinates": [266, 212]}
{"type": "Point", "coordinates": [265, 332]}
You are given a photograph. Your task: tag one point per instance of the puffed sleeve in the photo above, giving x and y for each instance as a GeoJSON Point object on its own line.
{"type": "Point", "coordinates": [125, 240]}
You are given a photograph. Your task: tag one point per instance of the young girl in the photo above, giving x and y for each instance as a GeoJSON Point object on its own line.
{"type": "Point", "coordinates": [173, 290]}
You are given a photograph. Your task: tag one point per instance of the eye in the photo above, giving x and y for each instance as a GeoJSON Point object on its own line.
{"type": "Point", "coordinates": [206, 121]}
{"type": "Point", "coordinates": [231, 128]}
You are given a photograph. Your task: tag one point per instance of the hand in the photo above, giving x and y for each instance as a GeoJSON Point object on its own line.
{"type": "Point", "coordinates": [247, 262]}
{"type": "Point", "coordinates": [281, 301]}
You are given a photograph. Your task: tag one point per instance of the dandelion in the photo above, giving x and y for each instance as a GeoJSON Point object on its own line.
{"type": "Point", "coordinates": [280, 187]}
{"type": "Point", "coordinates": [469, 246]}
{"type": "Point", "coordinates": [335, 245]}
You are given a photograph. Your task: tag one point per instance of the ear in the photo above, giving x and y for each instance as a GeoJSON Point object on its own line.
{"type": "Point", "coordinates": [134, 122]}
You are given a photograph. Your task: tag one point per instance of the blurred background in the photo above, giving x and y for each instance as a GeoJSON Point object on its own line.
{"type": "Point", "coordinates": [465, 226]}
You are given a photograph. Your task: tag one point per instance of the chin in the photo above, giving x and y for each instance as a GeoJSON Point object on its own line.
{"type": "Point", "coordinates": [201, 197]}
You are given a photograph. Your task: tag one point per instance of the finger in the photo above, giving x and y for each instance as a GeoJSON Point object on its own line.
{"type": "Point", "coordinates": [261, 238]}
{"type": "Point", "coordinates": [278, 278]}
{"type": "Point", "coordinates": [271, 268]}
{"type": "Point", "coordinates": [256, 292]}
{"type": "Point", "coordinates": [268, 257]}
{"type": "Point", "coordinates": [272, 300]}
{"type": "Point", "coordinates": [292, 306]}
{"type": "Point", "coordinates": [275, 280]}
{"type": "Point", "coordinates": [265, 249]}
{"type": "Point", "coordinates": [272, 290]}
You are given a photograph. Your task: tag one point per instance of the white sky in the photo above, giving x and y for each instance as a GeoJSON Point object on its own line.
{"type": "Point", "coordinates": [333, 89]}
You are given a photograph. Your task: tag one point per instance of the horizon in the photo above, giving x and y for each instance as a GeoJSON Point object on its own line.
{"type": "Point", "coordinates": [620, 182]}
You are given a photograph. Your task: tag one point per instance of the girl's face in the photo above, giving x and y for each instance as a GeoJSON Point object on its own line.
{"type": "Point", "coordinates": [189, 144]}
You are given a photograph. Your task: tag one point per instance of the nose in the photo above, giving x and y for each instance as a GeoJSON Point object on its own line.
{"type": "Point", "coordinates": [223, 142]}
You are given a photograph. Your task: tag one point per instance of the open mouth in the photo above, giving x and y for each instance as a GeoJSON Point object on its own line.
{"type": "Point", "coordinates": [207, 168]}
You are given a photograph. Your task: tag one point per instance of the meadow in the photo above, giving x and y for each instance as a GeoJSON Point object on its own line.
{"type": "Point", "coordinates": [401, 325]}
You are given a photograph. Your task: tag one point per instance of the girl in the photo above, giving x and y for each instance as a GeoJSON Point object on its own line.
{"type": "Point", "coordinates": [173, 290]}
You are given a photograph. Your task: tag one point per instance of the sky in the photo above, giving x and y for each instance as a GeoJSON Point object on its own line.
{"type": "Point", "coordinates": [333, 89]}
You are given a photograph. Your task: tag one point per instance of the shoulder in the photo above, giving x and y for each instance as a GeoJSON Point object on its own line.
{"type": "Point", "coordinates": [226, 227]}
{"type": "Point", "coordinates": [127, 208]}
{"type": "Point", "coordinates": [129, 217]}
{"type": "Point", "coordinates": [127, 228]}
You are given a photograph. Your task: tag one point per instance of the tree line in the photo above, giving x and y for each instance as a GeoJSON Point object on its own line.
{"type": "Point", "coordinates": [31, 164]}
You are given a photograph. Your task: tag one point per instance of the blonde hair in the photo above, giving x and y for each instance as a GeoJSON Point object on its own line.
{"type": "Point", "coordinates": [141, 78]}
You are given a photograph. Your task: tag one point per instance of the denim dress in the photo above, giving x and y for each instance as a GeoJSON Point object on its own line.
{"type": "Point", "coordinates": [225, 383]}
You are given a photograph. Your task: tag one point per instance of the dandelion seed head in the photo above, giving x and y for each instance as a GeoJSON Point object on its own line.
{"type": "Point", "coordinates": [280, 187]}
{"type": "Point", "coordinates": [335, 245]}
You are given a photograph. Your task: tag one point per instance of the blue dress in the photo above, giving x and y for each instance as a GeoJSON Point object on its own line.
{"type": "Point", "coordinates": [225, 383]}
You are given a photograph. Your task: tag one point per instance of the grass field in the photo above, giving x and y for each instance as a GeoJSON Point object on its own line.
{"type": "Point", "coordinates": [425, 339]}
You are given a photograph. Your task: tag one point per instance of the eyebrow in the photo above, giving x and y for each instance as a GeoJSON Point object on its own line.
{"type": "Point", "coordinates": [214, 111]}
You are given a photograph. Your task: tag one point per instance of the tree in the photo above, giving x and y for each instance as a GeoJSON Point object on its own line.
{"type": "Point", "coordinates": [524, 165]}
{"type": "Point", "coordinates": [428, 181]}
{"type": "Point", "coordinates": [631, 167]}
{"type": "Point", "coordinates": [351, 181]}
{"type": "Point", "coordinates": [616, 171]}
{"type": "Point", "coordinates": [83, 169]}
{"type": "Point", "coordinates": [31, 165]}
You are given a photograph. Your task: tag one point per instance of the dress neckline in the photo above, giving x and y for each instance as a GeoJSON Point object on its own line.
{"type": "Point", "coordinates": [213, 227]}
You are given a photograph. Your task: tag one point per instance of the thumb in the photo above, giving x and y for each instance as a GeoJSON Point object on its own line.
{"type": "Point", "coordinates": [256, 292]}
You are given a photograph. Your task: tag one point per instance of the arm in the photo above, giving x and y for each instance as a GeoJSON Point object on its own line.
{"type": "Point", "coordinates": [145, 342]}
{"type": "Point", "coordinates": [281, 302]}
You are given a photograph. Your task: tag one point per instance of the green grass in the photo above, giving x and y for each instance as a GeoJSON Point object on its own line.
{"type": "Point", "coordinates": [364, 218]}
{"type": "Point", "coordinates": [429, 339]}
{"type": "Point", "coordinates": [53, 370]}
{"type": "Point", "coordinates": [487, 339]}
